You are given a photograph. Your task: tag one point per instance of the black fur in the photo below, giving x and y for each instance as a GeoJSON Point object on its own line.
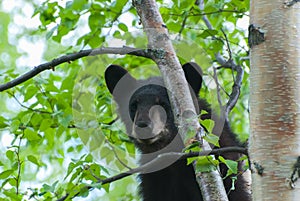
{"type": "Point", "coordinates": [144, 107]}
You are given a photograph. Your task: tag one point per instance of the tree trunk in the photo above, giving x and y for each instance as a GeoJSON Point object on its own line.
{"type": "Point", "coordinates": [164, 55]}
{"type": "Point", "coordinates": [274, 99]}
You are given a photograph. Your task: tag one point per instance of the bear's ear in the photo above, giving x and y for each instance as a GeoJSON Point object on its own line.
{"type": "Point", "coordinates": [193, 75]}
{"type": "Point", "coordinates": [113, 74]}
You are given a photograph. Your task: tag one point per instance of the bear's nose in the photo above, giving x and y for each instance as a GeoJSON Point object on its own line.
{"type": "Point", "coordinates": [143, 124]}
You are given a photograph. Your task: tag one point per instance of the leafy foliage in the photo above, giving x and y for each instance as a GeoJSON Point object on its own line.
{"type": "Point", "coordinates": [57, 131]}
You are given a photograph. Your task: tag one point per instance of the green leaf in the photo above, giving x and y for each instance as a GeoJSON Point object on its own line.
{"type": "Point", "coordinates": [13, 196]}
{"type": "Point", "coordinates": [123, 27]}
{"type": "Point", "coordinates": [5, 174]}
{"type": "Point", "coordinates": [49, 136]}
{"type": "Point", "coordinates": [208, 124]}
{"type": "Point", "coordinates": [26, 118]}
{"type": "Point", "coordinates": [206, 164]}
{"type": "Point", "coordinates": [190, 133]}
{"type": "Point", "coordinates": [70, 169]}
{"type": "Point", "coordinates": [14, 126]}
{"type": "Point", "coordinates": [30, 92]}
{"type": "Point", "coordinates": [195, 146]}
{"type": "Point", "coordinates": [80, 5]}
{"type": "Point", "coordinates": [67, 83]}
{"type": "Point", "coordinates": [31, 135]}
{"type": "Point", "coordinates": [84, 192]}
{"type": "Point", "coordinates": [76, 174]}
{"type": "Point", "coordinates": [36, 120]}
{"type": "Point", "coordinates": [212, 139]}
{"type": "Point", "coordinates": [95, 41]}
{"type": "Point", "coordinates": [46, 123]}
{"type": "Point", "coordinates": [12, 181]}
{"type": "Point", "coordinates": [191, 160]}
{"type": "Point", "coordinates": [173, 26]}
{"type": "Point", "coordinates": [50, 33]}
{"type": "Point", "coordinates": [48, 13]}
{"type": "Point", "coordinates": [216, 45]}
{"type": "Point", "coordinates": [96, 21]}
{"type": "Point", "coordinates": [130, 148]}
{"type": "Point", "coordinates": [207, 33]}
{"type": "Point", "coordinates": [89, 158]}
{"type": "Point", "coordinates": [15, 165]}
{"type": "Point", "coordinates": [65, 120]}
{"type": "Point", "coordinates": [10, 155]}
{"type": "Point", "coordinates": [3, 122]}
{"type": "Point", "coordinates": [33, 159]}
{"type": "Point", "coordinates": [232, 165]}
{"type": "Point", "coordinates": [48, 188]}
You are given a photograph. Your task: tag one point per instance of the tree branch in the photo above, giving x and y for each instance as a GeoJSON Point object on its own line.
{"type": "Point", "coordinates": [210, 183]}
{"type": "Point", "coordinates": [72, 57]}
{"type": "Point", "coordinates": [235, 93]}
{"type": "Point", "coordinates": [161, 158]}
{"type": "Point", "coordinates": [210, 13]}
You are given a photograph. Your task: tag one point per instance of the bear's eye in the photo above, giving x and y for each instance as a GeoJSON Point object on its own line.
{"type": "Point", "coordinates": [159, 101]}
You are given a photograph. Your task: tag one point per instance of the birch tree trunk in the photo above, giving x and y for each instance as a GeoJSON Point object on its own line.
{"type": "Point", "coordinates": [164, 55]}
{"type": "Point", "coordinates": [274, 99]}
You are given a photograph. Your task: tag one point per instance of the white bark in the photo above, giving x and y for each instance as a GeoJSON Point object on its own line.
{"type": "Point", "coordinates": [274, 100]}
{"type": "Point", "coordinates": [168, 63]}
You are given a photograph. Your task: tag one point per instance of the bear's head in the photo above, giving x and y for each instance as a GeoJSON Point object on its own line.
{"type": "Point", "coordinates": [145, 108]}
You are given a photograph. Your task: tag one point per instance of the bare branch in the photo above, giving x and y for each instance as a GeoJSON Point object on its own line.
{"type": "Point", "coordinates": [72, 57]}
{"type": "Point", "coordinates": [163, 157]}
{"type": "Point", "coordinates": [218, 87]}
{"type": "Point", "coordinates": [233, 97]}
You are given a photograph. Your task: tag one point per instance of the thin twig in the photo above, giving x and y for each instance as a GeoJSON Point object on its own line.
{"type": "Point", "coordinates": [24, 106]}
{"type": "Point", "coordinates": [19, 164]}
{"type": "Point", "coordinates": [117, 156]}
{"type": "Point", "coordinates": [218, 87]}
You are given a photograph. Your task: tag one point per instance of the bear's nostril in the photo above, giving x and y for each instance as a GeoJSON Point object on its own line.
{"type": "Point", "coordinates": [142, 124]}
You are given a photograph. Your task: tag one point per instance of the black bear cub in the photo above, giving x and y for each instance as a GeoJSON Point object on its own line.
{"type": "Point", "coordinates": [145, 109]}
